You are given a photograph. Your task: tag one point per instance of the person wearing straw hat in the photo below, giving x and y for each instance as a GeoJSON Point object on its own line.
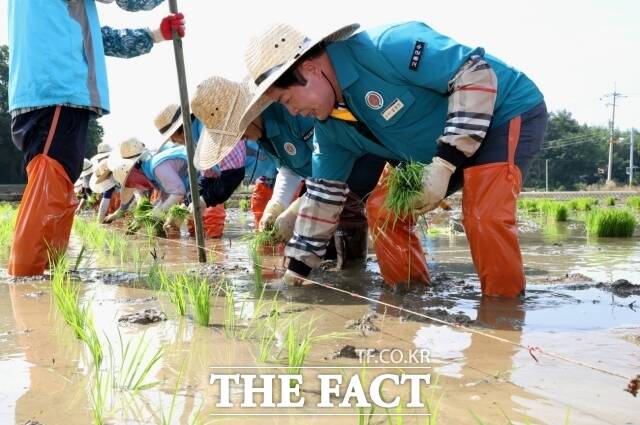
{"type": "Point", "coordinates": [418, 95]}
{"type": "Point", "coordinates": [133, 166]}
{"type": "Point", "coordinates": [57, 84]}
{"type": "Point", "coordinates": [287, 140]}
{"type": "Point", "coordinates": [102, 183]}
{"type": "Point", "coordinates": [82, 188]}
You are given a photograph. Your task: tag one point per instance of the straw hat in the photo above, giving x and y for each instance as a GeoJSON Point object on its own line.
{"type": "Point", "coordinates": [168, 121]}
{"type": "Point", "coordinates": [87, 167]}
{"type": "Point", "coordinates": [104, 149]}
{"type": "Point", "coordinates": [101, 179]}
{"type": "Point", "coordinates": [122, 160]}
{"type": "Point", "coordinates": [272, 53]}
{"type": "Point", "coordinates": [219, 103]}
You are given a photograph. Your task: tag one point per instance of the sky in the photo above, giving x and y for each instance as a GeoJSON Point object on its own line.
{"type": "Point", "coordinates": [575, 51]}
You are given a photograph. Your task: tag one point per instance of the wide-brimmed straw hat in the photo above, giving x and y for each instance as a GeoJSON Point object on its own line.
{"type": "Point", "coordinates": [168, 121]}
{"type": "Point", "coordinates": [103, 151]}
{"type": "Point", "coordinates": [272, 53]}
{"type": "Point", "coordinates": [122, 160]}
{"type": "Point", "coordinates": [102, 178]}
{"type": "Point", "coordinates": [219, 103]}
{"type": "Point", "coordinates": [87, 167]}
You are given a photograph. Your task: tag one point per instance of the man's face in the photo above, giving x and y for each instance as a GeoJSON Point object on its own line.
{"type": "Point", "coordinates": [314, 99]}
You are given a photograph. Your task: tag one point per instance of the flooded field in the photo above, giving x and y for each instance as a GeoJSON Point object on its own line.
{"type": "Point", "coordinates": [488, 365]}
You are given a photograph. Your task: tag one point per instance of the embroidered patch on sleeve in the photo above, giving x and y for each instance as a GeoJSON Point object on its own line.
{"type": "Point", "coordinates": [416, 55]}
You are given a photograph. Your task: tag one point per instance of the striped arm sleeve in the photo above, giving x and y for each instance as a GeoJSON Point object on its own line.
{"type": "Point", "coordinates": [472, 97]}
{"type": "Point", "coordinates": [316, 223]}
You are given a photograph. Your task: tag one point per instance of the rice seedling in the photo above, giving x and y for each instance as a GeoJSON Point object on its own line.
{"type": "Point", "coordinates": [432, 402]}
{"type": "Point", "coordinates": [168, 419]}
{"type": "Point", "coordinates": [135, 364]}
{"type": "Point", "coordinates": [79, 258]}
{"type": "Point", "coordinates": [405, 187]}
{"type": "Point", "coordinates": [199, 293]}
{"type": "Point", "coordinates": [583, 204]}
{"type": "Point", "coordinates": [611, 223]}
{"type": "Point", "coordinates": [267, 342]}
{"type": "Point", "coordinates": [144, 219]}
{"type": "Point", "coordinates": [98, 393]}
{"type": "Point", "coordinates": [66, 296]}
{"type": "Point", "coordinates": [298, 341]}
{"type": "Point", "coordinates": [256, 242]}
{"type": "Point", "coordinates": [610, 201]}
{"type": "Point", "coordinates": [175, 287]}
{"type": "Point", "coordinates": [8, 216]}
{"type": "Point", "coordinates": [90, 338]}
{"type": "Point", "coordinates": [244, 205]}
{"type": "Point", "coordinates": [229, 311]}
{"type": "Point", "coordinates": [529, 205]}
{"type": "Point", "coordinates": [154, 276]}
{"type": "Point", "coordinates": [633, 202]}
{"type": "Point", "coordinates": [554, 210]}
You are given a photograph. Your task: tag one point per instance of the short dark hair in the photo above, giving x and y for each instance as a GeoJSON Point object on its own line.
{"type": "Point", "coordinates": [292, 76]}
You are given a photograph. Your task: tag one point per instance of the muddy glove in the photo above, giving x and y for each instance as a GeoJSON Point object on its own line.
{"type": "Point", "coordinates": [114, 216]}
{"type": "Point", "coordinates": [435, 181]}
{"type": "Point", "coordinates": [167, 26]}
{"type": "Point", "coordinates": [292, 278]}
{"type": "Point", "coordinates": [171, 225]}
{"type": "Point", "coordinates": [286, 221]}
{"type": "Point", "coordinates": [271, 212]}
{"type": "Point", "coordinates": [162, 207]}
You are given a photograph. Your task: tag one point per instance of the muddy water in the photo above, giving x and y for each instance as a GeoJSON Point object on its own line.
{"type": "Point", "coordinates": [47, 372]}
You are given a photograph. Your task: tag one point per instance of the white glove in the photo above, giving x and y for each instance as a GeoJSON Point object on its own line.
{"type": "Point", "coordinates": [161, 207]}
{"type": "Point", "coordinates": [113, 216]}
{"type": "Point", "coordinates": [286, 221]}
{"type": "Point", "coordinates": [203, 205]}
{"type": "Point", "coordinates": [271, 212]}
{"type": "Point", "coordinates": [292, 278]}
{"type": "Point", "coordinates": [435, 181]}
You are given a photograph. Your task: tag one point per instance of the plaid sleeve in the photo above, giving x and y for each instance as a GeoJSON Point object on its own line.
{"type": "Point", "coordinates": [316, 223]}
{"type": "Point", "coordinates": [136, 5]}
{"type": "Point", "coordinates": [126, 43]}
{"type": "Point", "coordinates": [472, 97]}
{"type": "Point", "coordinates": [234, 159]}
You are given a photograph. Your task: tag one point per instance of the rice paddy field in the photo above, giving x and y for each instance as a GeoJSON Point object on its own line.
{"type": "Point", "coordinates": [128, 329]}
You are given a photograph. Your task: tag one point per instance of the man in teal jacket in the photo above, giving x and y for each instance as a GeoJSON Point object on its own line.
{"type": "Point", "coordinates": [57, 83]}
{"type": "Point", "coordinates": [419, 96]}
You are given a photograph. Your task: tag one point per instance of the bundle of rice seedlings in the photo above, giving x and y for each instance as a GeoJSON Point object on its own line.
{"type": "Point", "coordinates": [633, 202]}
{"type": "Point", "coordinates": [405, 187]}
{"type": "Point", "coordinates": [178, 213]}
{"type": "Point", "coordinates": [610, 201]}
{"type": "Point", "coordinates": [257, 241]}
{"type": "Point", "coordinates": [144, 219]}
{"type": "Point", "coordinates": [244, 205]}
{"type": "Point", "coordinates": [611, 223]}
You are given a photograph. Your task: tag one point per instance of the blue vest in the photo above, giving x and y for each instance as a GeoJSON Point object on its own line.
{"type": "Point", "coordinates": [402, 98]}
{"type": "Point", "coordinates": [176, 152]}
{"type": "Point", "coordinates": [56, 55]}
{"type": "Point", "coordinates": [288, 140]}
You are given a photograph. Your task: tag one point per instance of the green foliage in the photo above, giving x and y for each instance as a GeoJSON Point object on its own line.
{"type": "Point", "coordinates": [611, 223]}
{"type": "Point", "coordinates": [582, 204]}
{"type": "Point", "coordinates": [610, 201]}
{"type": "Point", "coordinates": [178, 212]}
{"type": "Point", "coordinates": [633, 202]}
{"type": "Point", "coordinates": [8, 214]}
{"type": "Point", "coordinates": [244, 205]}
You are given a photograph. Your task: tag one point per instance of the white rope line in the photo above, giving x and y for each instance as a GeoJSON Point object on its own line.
{"type": "Point", "coordinates": [532, 349]}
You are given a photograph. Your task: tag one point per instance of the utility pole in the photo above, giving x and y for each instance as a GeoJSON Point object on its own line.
{"type": "Point", "coordinates": [615, 95]}
{"type": "Point", "coordinates": [546, 175]}
{"type": "Point", "coordinates": [631, 159]}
